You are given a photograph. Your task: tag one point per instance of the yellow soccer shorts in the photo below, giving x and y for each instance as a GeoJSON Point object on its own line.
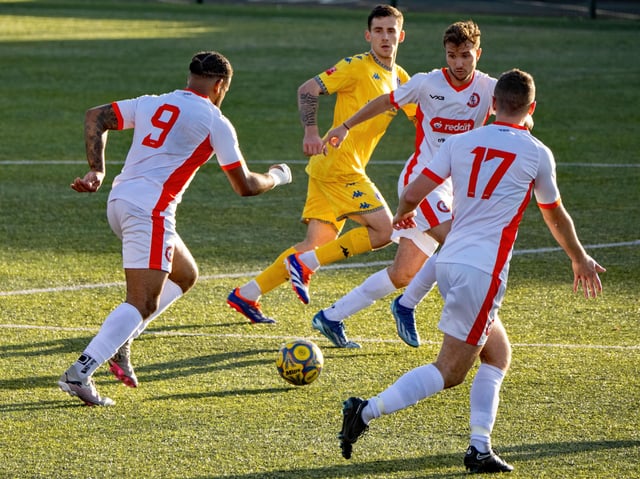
{"type": "Point", "coordinates": [333, 202]}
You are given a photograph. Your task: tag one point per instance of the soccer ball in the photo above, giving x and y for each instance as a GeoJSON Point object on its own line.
{"type": "Point", "coordinates": [299, 362]}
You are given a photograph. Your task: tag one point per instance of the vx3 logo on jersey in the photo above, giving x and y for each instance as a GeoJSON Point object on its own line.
{"type": "Point", "coordinates": [437, 97]}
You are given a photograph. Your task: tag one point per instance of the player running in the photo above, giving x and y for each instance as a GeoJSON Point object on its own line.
{"type": "Point", "coordinates": [338, 187]}
{"type": "Point", "coordinates": [451, 100]}
{"type": "Point", "coordinates": [494, 171]}
{"type": "Point", "coordinates": [173, 135]}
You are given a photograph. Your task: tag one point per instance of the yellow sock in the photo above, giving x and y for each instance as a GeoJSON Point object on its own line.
{"type": "Point", "coordinates": [275, 274]}
{"type": "Point", "coordinates": [353, 242]}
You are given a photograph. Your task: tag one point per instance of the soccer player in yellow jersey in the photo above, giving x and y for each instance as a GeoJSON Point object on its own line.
{"type": "Point", "coordinates": [339, 188]}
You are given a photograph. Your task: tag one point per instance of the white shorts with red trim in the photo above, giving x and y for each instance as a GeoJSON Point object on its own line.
{"type": "Point", "coordinates": [148, 241]}
{"type": "Point", "coordinates": [432, 211]}
{"type": "Point", "coordinates": [472, 299]}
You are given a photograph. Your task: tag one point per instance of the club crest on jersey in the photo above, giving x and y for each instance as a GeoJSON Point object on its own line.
{"type": "Point", "coordinates": [474, 100]}
{"type": "Point", "coordinates": [331, 70]}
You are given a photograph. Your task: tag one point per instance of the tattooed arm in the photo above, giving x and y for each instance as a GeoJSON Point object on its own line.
{"type": "Point", "coordinates": [308, 108]}
{"type": "Point", "coordinates": [97, 122]}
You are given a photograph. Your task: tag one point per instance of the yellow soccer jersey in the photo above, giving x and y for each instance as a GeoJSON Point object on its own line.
{"type": "Point", "coordinates": [356, 80]}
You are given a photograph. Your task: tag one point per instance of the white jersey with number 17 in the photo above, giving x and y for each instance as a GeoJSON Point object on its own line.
{"type": "Point", "coordinates": [174, 134]}
{"type": "Point", "coordinates": [493, 170]}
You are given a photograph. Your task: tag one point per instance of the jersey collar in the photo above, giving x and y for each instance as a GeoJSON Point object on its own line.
{"type": "Point", "coordinates": [510, 125]}
{"type": "Point", "coordinates": [377, 60]}
{"type": "Point", "coordinates": [196, 93]}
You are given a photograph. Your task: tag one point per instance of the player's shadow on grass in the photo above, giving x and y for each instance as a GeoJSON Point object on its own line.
{"type": "Point", "coordinates": [42, 348]}
{"type": "Point", "coordinates": [420, 467]}
{"type": "Point", "coordinates": [221, 361]}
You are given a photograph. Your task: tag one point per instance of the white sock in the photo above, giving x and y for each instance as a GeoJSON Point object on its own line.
{"type": "Point", "coordinates": [417, 384]}
{"type": "Point", "coordinates": [310, 259]}
{"type": "Point", "coordinates": [420, 285]}
{"type": "Point", "coordinates": [376, 286]}
{"type": "Point", "coordinates": [170, 293]}
{"type": "Point", "coordinates": [115, 330]}
{"type": "Point", "coordinates": [251, 291]}
{"type": "Point", "coordinates": [484, 399]}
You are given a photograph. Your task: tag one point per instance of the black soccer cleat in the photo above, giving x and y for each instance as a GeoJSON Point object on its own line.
{"type": "Point", "coordinates": [352, 424]}
{"type": "Point", "coordinates": [482, 462]}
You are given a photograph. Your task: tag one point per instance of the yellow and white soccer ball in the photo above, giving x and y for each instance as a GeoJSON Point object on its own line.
{"type": "Point", "coordinates": [299, 362]}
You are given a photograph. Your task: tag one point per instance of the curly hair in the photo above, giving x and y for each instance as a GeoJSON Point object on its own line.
{"type": "Point", "coordinates": [461, 32]}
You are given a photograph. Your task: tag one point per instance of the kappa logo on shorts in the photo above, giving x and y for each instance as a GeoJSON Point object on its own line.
{"type": "Point", "coordinates": [357, 194]}
{"type": "Point", "coordinates": [365, 206]}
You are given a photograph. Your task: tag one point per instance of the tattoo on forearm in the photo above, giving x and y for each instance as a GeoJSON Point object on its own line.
{"type": "Point", "coordinates": [308, 106]}
{"type": "Point", "coordinates": [96, 135]}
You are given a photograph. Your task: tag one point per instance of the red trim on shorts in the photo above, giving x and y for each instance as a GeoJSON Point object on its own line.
{"type": "Point", "coordinates": [482, 319]}
{"type": "Point", "coordinates": [157, 242]}
{"type": "Point", "coordinates": [507, 240]}
{"type": "Point", "coordinates": [171, 188]}
{"type": "Point", "coordinates": [429, 214]}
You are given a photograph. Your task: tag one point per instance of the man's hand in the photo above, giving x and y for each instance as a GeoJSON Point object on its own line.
{"type": "Point", "coordinates": [90, 183]}
{"type": "Point", "coordinates": [312, 144]}
{"type": "Point", "coordinates": [586, 273]}
{"type": "Point", "coordinates": [336, 136]}
{"type": "Point", "coordinates": [405, 221]}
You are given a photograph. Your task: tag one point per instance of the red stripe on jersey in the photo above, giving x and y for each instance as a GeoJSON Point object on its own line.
{"type": "Point", "coordinates": [550, 206]}
{"type": "Point", "coordinates": [432, 176]}
{"type": "Point", "coordinates": [507, 240]}
{"type": "Point", "coordinates": [116, 110]}
{"type": "Point", "coordinates": [413, 162]}
{"type": "Point", "coordinates": [231, 166]}
{"type": "Point", "coordinates": [171, 188]}
{"type": "Point", "coordinates": [509, 234]}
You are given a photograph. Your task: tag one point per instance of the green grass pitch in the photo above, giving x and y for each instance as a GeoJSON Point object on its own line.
{"type": "Point", "coordinates": [211, 404]}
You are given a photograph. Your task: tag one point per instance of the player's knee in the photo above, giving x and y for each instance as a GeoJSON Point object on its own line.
{"type": "Point", "coordinates": [188, 280]}
{"type": "Point", "coordinates": [399, 276]}
{"type": "Point", "coordinates": [147, 307]}
{"type": "Point", "coordinates": [399, 279]}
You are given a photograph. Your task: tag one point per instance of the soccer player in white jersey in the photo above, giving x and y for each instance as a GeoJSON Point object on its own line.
{"type": "Point", "coordinates": [173, 135]}
{"type": "Point", "coordinates": [450, 101]}
{"type": "Point", "coordinates": [494, 171]}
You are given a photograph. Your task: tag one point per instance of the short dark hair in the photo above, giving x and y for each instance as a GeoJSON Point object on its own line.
{"type": "Point", "coordinates": [385, 11]}
{"type": "Point", "coordinates": [514, 92]}
{"type": "Point", "coordinates": [210, 64]}
{"type": "Point", "coordinates": [461, 32]}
